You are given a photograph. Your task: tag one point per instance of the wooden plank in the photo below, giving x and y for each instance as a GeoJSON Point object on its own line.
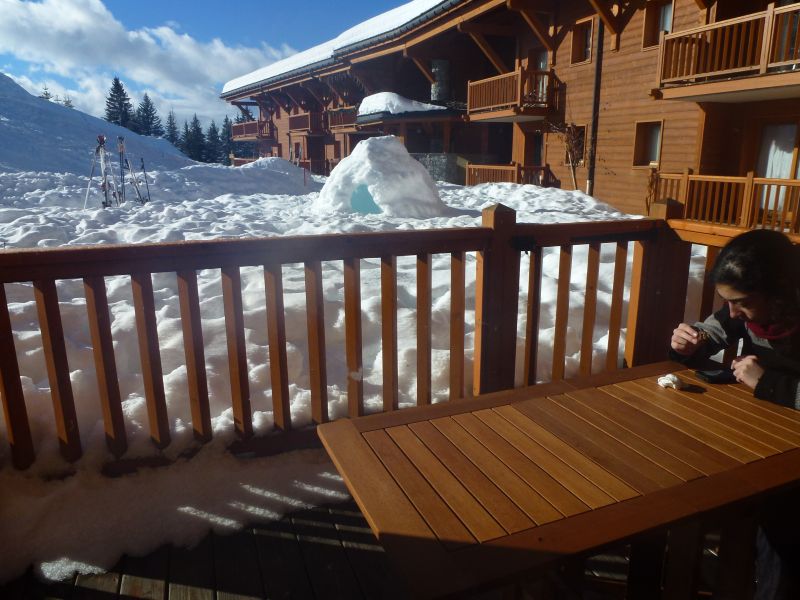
{"type": "Point", "coordinates": [473, 477]}
{"type": "Point", "coordinates": [617, 300]}
{"type": "Point", "coordinates": [704, 458]}
{"type": "Point", "coordinates": [236, 573]}
{"type": "Point", "coordinates": [637, 439]}
{"type": "Point", "coordinates": [276, 332]}
{"type": "Point", "coordinates": [562, 312]}
{"type": "Point", "coordinates": [191, 572]}
{"type": "Point", "coordinates": [145, 576]}
{"type": "Point", "coordinates": [636, 470]}
{"type": "Point", "coordinates": [605, 480]}
{"type": "Point", "coordinates": [590, 307]}
{"type": "Point", "coordinates": [237, 355]}
{"type": "Point", "coordinates": [389, 332]}
{"type": "Point", "coordinates": [633, 395]}
{"type": "Point", "coordinates": [439, 517]}
{"type": "Point", "coordinates": [583, 489]}
{"type": "Point", "coordinates": [55, 356]}
{"type": "Point", "coordinates": [457, 308]}
{"type": "Point", "coordinates": [194, 351]}
{"type": "Point", "coordinates": [353, 342]}
{"type": "Point", "coordinates": [737, 554]}
{"type": "Point", "coordinates": [18, 429]}
{"type": "Point", "coordinates": [562, 500]}
{"type": "Point", "coordinates": [317, 365]}
{"type": "Point", "coordinates": [281, 561]}
{"type": "Point", "coordinates": [682, 562]}
{"type": "Point", "coordinates": [150, 357]}
{"type": "Point", "coordinates": [468, 510]}
{"type": "Point", "coordinates": [100, 585]}
{"type": "Point", "coordinates": [533, 308]}
{"type": "Point", "coordinates": [424, 303]}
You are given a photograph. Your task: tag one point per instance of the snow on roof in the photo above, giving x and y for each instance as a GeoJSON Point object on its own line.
{"type": "Point", "coordinates": [376, 26]}
{"type": "Point", "coordinates": [395, 104]}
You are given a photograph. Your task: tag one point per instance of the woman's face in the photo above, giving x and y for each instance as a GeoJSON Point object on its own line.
{"type": "Point", "coordinates": [747, 307]}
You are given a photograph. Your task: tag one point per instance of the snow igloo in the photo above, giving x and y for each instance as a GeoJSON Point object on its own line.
{"type": "Point", "coordinates": [381, 177]}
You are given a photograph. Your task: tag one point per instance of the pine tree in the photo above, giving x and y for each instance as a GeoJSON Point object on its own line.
{"type": "Point", "coordinates": [225, 140]}
{"type": "Point", "coordinates": [183, 140]}
{"type": "Point", "coordinates": [45, 95]}
{"type": "Point", "coordinates": [68, 102]}
{"type": "Point", "coordinates": [245, 115]}
{"type": "Point", "coordinates": [172, 135]}
{"type": "Point", "coordinates": [213, 153]}
{"type": "Point", "coordinates": [147, 118]}
{"type": "Point", "coordinates": [118, 104]}
{"type": "Point", "coordinates": [195, 140]}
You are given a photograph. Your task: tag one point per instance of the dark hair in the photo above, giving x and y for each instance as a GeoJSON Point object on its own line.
{"type": "Point", "coordinates": [763, 261]}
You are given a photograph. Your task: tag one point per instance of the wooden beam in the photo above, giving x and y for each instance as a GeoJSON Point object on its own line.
{"type": "Point", "coordinates": [605, 14]}
{"type": "Point", "coordinates": [493, 57]}
{"type": "Point", "coordinates": [422, 65]}
{"type": "Point", "coordinates": [339, 96]}
{"type": "Point", "coordinates": [488, 29]}
{"type": "Point", "coordinates": [536, 25]}
{"type": "Point", "coordinates": [702, 4]}
{"type": "Point", "coordinates": [314, 95]}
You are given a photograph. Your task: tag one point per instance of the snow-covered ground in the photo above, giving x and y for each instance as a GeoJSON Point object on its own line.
{"type": "Point", "coordinates": [85, 521]}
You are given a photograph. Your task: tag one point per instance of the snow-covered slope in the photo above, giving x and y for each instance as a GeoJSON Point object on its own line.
{"type": "Point", "coordinates": [38, 135]}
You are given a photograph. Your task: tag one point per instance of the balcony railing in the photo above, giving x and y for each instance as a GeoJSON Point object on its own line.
{"type": "Point", "coordinates": [519, 90]}
{"type": "Point", "coordinates": [254, 130]}
{"type": "Point", "coordinates": [310, 122]}
{"type": "Point", "coordinates": [342, 117]}
{"type": "Point", "coordinates": [744, 202]}
{"type": "Point", "coordinates": [238, 162]}
{"type": "Point", "coordinates": [526, 174]}
{"type": "Point", "coordinates": [753, 44]}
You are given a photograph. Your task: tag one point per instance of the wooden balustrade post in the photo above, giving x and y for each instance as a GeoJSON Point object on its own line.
{"type": "Point", "coordinates": [683, 192]}
{"type": "Point", "coordinates": [658, 294]}
{"type": "Point", "coordinates": [766, 41]}
{"type": "Point", "coordinates": [496, 297]}
{"type": "Point", "coordinates": [747, 218]}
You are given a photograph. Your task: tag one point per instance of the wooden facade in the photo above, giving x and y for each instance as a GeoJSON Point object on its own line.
{"type": "Point", "coordinates": [651, 88]}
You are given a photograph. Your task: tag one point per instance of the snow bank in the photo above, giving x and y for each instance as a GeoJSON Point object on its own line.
{"type": "Point", "coordinates": [380, 176]}
{"type": "Point", "coordinates": [395, 104]}
{"type": "Point", "coordinates": [39, 135]}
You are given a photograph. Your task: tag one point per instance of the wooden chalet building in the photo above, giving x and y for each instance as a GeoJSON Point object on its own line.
{"type": "Point", "coordinates": [641, 91]}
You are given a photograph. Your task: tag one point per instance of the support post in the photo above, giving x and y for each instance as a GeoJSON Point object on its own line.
{"type": "Point", "coordinates": [658, 295]}
{"type": "Point", "coordinates": [496, 297]}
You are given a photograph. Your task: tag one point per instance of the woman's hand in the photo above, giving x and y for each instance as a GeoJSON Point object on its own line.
{"type": "Point", "coordinates": [747, 370]}
{"type": "Point", "coordinates": [685, 339]}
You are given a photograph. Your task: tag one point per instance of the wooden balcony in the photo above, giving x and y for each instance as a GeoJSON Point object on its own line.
{"type": "Point", "coordinates": [748, 58]}
{"type": "Point", "coordinates": [540, 175]}
{"type": "Point", "coordinates": [740, 202]}
{"type": "Point", "coordinates": [309, 123]}
{"type": "Point", "coordinates": [522, 95]}
{"type": "Point", "coordinates": [238, 162]}
{"type": "Point", "coordinates": [342, 118]}
{"type": "Point", "coordinates": [254, 131]}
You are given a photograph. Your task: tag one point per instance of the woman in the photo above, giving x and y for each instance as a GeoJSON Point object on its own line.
{"type": "Point", "coordinates": [758, 277]}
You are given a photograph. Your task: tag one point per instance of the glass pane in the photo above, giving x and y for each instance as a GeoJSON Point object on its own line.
{"type": "Point", "coordinates": [665, 18]}
{"type": "Point", "coordinates": [777, 148]}
{"type": "Point", "coordinates": [653, 139]}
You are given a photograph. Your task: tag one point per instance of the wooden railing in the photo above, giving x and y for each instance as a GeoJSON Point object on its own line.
{"type": "Point", "coordinates": [526, 174]}
{"type": "Point", "coordinates": [238, 162]}
{"type": "Point", "coordinates": [755, 43]}
{"type": "Point", "coordinates": [341, 117]}
{"type": "Point", "coordinates": [310, 121]}
{"type": "Point", "coordinates": [499, 243]}
{"type": "Point", "coordinates": [744, 202]}
{"type": "Point", "coordinates": [254, 129]}
{"type": "Point", "coordinates": [522, 88]}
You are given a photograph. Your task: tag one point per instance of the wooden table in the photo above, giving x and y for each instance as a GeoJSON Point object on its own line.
{"type": "Point", "coordinates": [473, 492]}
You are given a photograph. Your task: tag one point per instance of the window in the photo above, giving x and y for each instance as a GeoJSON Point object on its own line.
{"type": "Point", "coordinates": [647, 144]}
{"type": "Point", "coordinates": [582, 41]}
{"type": "Point", "coordinates": [657, 18]}
{"type": "Point", "coordinates": [575, 143]}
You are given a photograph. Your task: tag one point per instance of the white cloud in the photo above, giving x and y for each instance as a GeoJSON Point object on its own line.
{"type": "Point", "coordinates": [82, 42]}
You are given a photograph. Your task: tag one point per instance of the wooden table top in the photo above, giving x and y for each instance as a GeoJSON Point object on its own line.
{"type": "Point", "coordinates": [465, 493]}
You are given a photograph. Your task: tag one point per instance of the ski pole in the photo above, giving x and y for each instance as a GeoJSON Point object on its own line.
{"type": "Point", "coordinates": [121, 149]}
{"type": "Point", "coordinates": [147, 185]}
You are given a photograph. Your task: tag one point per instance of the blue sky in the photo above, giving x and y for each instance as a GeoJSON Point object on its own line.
{"type": "Point", "coordinates": [178, 51]}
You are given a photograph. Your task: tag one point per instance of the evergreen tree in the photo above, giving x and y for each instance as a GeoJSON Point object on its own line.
{"type": "Point", "coordinates": [68, 102]}
{"type": "Point", "coordinates": [46, 95]}
{"type": "Point", "coordinates": [183, 140]}
{"type": "Point", "coordinates": [147, 118]}
{"type": "Point", "coordinates": [244, 115]}
{"type": "Point", "coordinates": [213, 150]}
{"type": "Point", "coordinates": [225, 140]}
{"type": "Point", "coordinates": [195, 140]}
{"type": "Point", "coordinates": [172, 135]}
{"type": "Point", "coordinates": [118, 104]}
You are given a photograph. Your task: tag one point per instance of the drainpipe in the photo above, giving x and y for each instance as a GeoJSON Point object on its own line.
{"type": "Point", "coordinates": [598, 71]}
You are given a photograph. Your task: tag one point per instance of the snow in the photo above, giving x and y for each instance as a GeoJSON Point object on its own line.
{"type": "Point", "coordinates": [39, 135]}
{"type": "Point", "coordinates": [381, 24]}
{"type": "Point", "coordinates": [395, 104]}
{"type": "Point", "coordinates": [85, 521]}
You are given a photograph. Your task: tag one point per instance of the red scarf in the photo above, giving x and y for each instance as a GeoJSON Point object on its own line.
{"type": "Point", "coordinates": [773, 331]}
